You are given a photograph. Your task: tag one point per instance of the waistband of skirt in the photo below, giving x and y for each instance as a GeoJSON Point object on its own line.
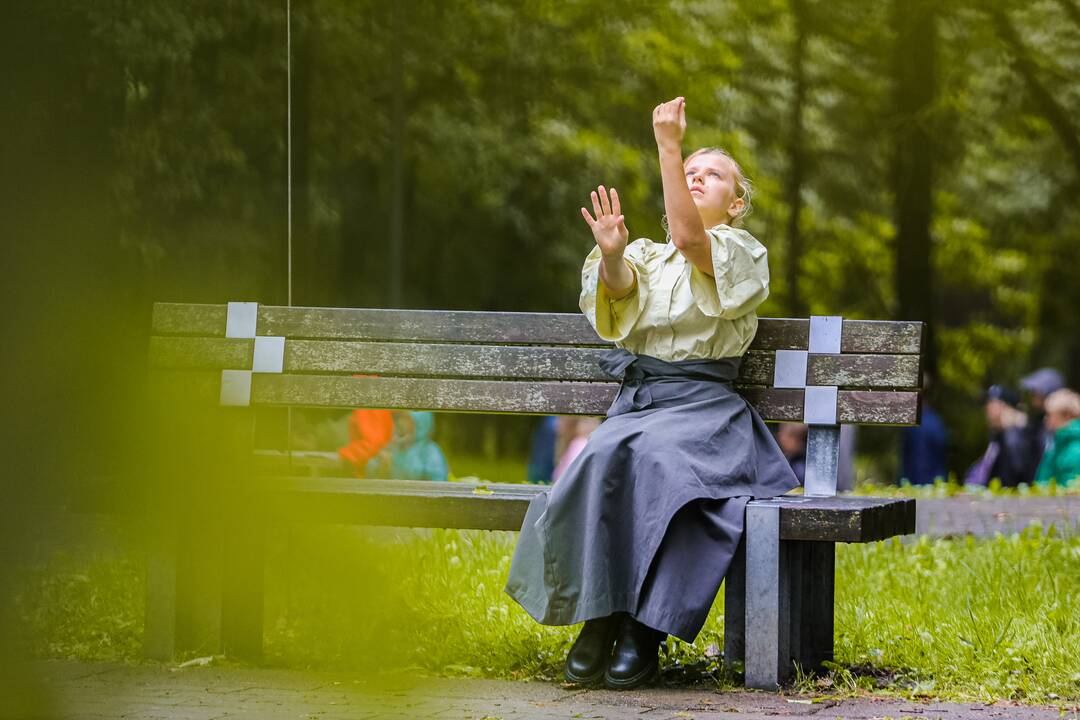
{"type": "Point", "coordinates": [630, 367]}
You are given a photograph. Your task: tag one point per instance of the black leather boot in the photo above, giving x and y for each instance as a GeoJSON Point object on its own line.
{"type": "Point", "coordinates": [635, 660]}
{"type": "Point", "coordinates": [587, 658]}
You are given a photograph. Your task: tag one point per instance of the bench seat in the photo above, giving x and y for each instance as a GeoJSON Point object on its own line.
{"type": "Point", "coordinates": [501, 506]}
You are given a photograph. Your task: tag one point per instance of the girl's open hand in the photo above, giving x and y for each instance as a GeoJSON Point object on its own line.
{"type": "Point", "coordinates": [669, 122]}
{"type": "Point", "coordinates": [609, 227]}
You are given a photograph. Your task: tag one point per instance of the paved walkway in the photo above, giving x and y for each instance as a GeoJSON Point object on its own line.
{"type": "Point", "coordinates": [99, 691]}
{"type": "Point", "coordinates": [966, 514]}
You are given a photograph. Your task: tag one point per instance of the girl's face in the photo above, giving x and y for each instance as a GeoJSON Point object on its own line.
{"type": "Point", "coordinates": [711, 179]}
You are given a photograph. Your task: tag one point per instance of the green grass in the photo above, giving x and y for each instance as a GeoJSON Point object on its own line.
{"type": "Point", "coordinates": [494, 470]}
{"type": "Point", "coordinates": [980, 619]}
{"type": "Point", "coordinates": [955, 619]}
{"type": "Point", "coordinates": [80, 609]}
{"type": "Point", "coordinates": [952, 488]}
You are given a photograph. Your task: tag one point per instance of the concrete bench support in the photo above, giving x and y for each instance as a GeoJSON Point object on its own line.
{"type": "Point", "coordinates": [768, 575]}
{"type": "Point", "coordinates": [778, 602]}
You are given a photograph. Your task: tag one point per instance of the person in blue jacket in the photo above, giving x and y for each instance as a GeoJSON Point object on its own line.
{"type": "Point", "coordinates": [923, 449]}
{"type": "Point", "coordinates": [412, 454]}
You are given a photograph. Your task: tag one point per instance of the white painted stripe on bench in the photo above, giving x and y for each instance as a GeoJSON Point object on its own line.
{"type": "Point", "coordinates": [241, 319]}
{"type": "Point", "coordinates": [236, 388]}
{"type": "Point", "coordinates": [269, 355]}
{"type": "Point", "coordinates": [789, 369]}
{"type": "Point", "coordinates": [825, 332]}
{"type": "Point", "coordinates": [819, 407]}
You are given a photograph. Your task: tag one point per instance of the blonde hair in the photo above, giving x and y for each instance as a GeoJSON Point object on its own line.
{"type": "Point", "coordinates": [743, 187]}
{"type": "Point", "coordinates": [1063, 401]}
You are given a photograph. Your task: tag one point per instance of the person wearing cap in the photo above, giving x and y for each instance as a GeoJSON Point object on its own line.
{"type": "Point", "coordinates": [1007, 455]}
{"type": "Point", "coordinates": [1037, 387]}
{"type": "Point", "coordinates": [1061, 462]}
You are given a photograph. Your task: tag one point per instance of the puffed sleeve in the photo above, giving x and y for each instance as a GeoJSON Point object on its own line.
{"type": "Point", "coordinates": [613, 319]}
{"type": "Point", "coordinates": [740, 281]}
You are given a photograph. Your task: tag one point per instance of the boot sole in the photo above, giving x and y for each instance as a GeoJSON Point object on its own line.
{"type": "Point", "coordinates": [647, 675]}
{"type": "Point", "coordinates": [594, 678]}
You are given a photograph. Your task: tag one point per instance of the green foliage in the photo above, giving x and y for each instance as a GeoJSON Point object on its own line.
{"type": "Point", "coordinates": [85, 610]}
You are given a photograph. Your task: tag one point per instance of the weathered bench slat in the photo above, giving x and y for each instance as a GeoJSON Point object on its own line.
{"type": "Point", "coordinates": [502, 361]}
{"type": "Point", "coordinates": [853, 406]}
{"type": "Point", "coordinates": [861, 370]}
{"type": "Point", "coordinates": [377, 324]}
{"type": "Point", "coordinates": [499, 506]}
{"type": "Point", "coordinates": [382, 358]}
{"type": "Point", "coordinates": [493, 396]}
{"type": "Point", "coordinates": [859, 336]}
{"type": "Point", "coordinates": [200, 353]}
{"type": "Point", "coordinates": [465, 361]}
{"type": "Point", "coordinates": [866, 518]}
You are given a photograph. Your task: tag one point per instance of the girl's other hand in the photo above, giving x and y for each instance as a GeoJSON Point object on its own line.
{"type": "Point", "coordinates": [608, 227]}
{"type": "Point", "coordinates": [669, 123]}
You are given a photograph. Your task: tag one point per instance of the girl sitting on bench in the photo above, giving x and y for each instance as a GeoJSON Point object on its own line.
{"type": "Point", "coordinates": [637, 535]}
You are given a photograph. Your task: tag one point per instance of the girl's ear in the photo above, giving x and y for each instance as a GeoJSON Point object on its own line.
{"type": "Point", "coordinates": [736, 207]}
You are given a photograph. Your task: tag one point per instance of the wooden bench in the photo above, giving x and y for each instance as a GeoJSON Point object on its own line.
{"type": "Point", "coordinates": [215, 366]}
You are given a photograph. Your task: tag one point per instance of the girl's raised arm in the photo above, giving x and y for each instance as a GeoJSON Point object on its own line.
{"type": "Point", "coordinates": [684, 220]}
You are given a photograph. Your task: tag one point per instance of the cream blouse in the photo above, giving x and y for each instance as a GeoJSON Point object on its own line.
{"type": "Point", "coordinates": [677, 312]}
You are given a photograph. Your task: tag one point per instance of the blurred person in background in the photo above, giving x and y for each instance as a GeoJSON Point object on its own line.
{"type": "Point", "coordinates": [370, 431]}
{"type": "Point", "coordinates": [1037, 387]}
{"type": "Point", "coordinates": [542, 452]}
{"type": "Point", "coordinates": [1061, 461]}
{"type": "Point", "coordinates": [845, 457]}
{"type": "Point", "coordinates": [574, 432]}
{"type": "Point", "coordinates": [412, 454]}
{"type": "Point", "coordinates": [791, 437]}
{"type": "Point", "coordinates": [922, 446]}
{"type": "Point", "coordinates": [1007, 455]}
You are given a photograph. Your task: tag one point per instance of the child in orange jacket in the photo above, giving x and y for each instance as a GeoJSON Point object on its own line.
{"type": "Point", "coordinates": [369, 432]}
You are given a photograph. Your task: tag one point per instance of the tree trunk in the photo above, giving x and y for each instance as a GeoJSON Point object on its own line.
{"type": "Point", "coordinates": [309, 280]}
{"type": "Point", "coordinates": [914, 94]}
{"type": "Point", "coordinates": [397, 161]}
{"type": "Point", "coordinates": [796, 306]}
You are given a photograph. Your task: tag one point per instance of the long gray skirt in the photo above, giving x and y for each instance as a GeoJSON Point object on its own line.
{"type": "Point", "coordinates": [647, 518]}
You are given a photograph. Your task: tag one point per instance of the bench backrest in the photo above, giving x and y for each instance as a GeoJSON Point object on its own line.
{"type": "Point", "coordinates": [824, 371]}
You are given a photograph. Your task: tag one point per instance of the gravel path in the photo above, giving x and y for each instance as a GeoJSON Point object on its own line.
{"type": "Point", "coordinates": [88, 691]}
